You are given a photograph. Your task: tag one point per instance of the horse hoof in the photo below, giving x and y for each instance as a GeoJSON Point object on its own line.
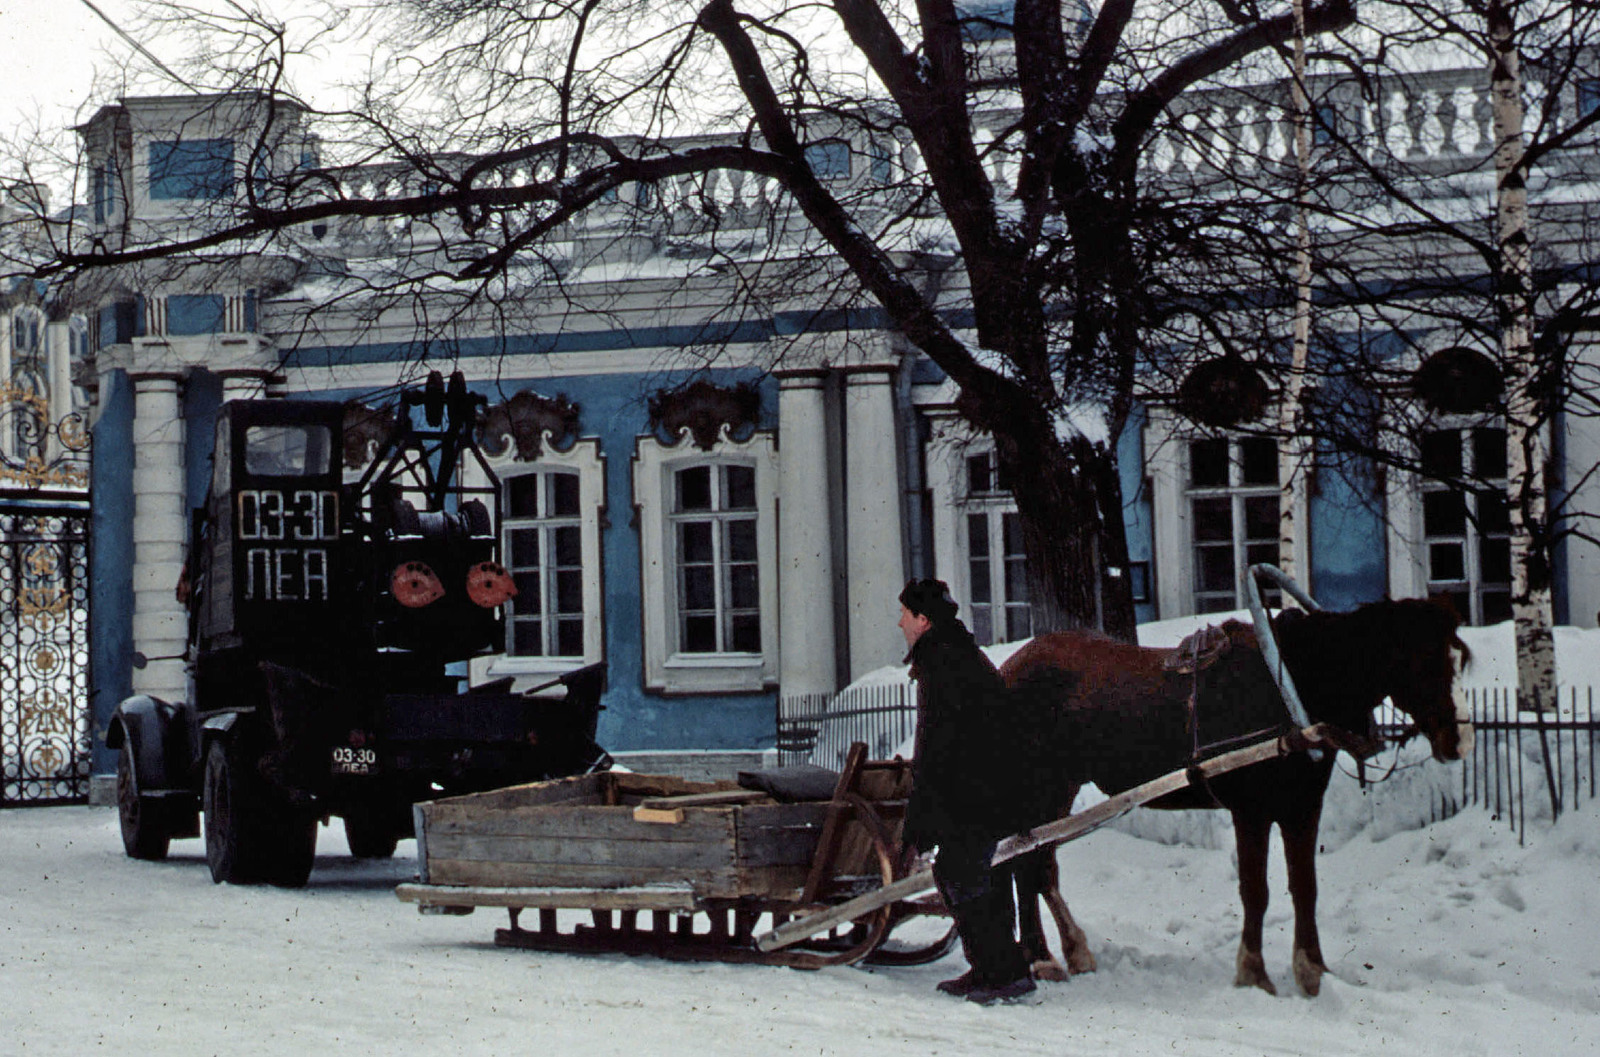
{"type": "Point", "coordinates": [1252, 972]}
{"type": "Point", "coordinates": [1049, 969]}
{"type": "Point", "coordinates": [1081, 962]}
{"type": "Point", "coordinates": [1308, 973]}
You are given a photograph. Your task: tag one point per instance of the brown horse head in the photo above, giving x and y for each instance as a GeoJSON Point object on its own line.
{"type": "Point", "coordinates": [1421, 654]}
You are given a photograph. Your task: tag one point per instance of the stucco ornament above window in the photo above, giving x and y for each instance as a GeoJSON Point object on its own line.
{"type": "Point", "coordinates": [1458, 381]}
{"type": "Point", "coordinates": [1223, 392]}
{"type": "Point", "coordinates": [705, 411]}
{"type": "Point", "coordinates": [530, 421]}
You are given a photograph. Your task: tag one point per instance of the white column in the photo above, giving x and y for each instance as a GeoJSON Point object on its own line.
{"type": "Point", "coordinates": [1582, 452]}
{"type": "Point", "coordinates": [160, 523]}
{"type": "Point", "coordinates": [875, 568]}
{"type": "Point", "coordinates": [805, 538]}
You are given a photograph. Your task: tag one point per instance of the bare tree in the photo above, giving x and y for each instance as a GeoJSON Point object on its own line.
{"type": "Point", "coordinates": [1079, 267]}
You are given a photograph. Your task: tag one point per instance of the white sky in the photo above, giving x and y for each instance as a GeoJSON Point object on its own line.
{"type": "Point", "coordinates": [52, 49]}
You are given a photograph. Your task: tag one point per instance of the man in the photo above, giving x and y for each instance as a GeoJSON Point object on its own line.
{"type": "Point", "coordinates": [965, 791]}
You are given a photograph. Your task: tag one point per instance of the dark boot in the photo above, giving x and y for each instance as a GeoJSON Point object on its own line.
{"type": "Point", "coordinates": [1001, 965]}
{"type": "Point", "coordinates": [967, 982]}
{"type": "Point", "coordinates": [1009, 992]}
{"type": "Point", "coordinates": [961, 986]}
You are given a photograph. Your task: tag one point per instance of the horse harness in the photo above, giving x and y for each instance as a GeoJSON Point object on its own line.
{"type": "Point", "coordinates": [1197, 652]}
{"type": "Point", "coordinates": [1202, 649]}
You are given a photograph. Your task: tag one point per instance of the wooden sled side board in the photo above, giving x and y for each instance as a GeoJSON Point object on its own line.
{"type": "Point", "coordinates": [617, 831]}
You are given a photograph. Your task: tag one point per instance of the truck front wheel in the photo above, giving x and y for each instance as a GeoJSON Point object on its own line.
{"type": "Point", "coordinates": [144, 832]}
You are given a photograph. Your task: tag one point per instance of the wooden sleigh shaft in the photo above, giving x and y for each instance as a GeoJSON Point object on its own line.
{"type": "Point", "coordinates": [1064, 830]}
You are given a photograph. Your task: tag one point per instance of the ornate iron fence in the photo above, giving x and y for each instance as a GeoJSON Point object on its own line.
{"type": "Point", "coordinates": [44, 655]}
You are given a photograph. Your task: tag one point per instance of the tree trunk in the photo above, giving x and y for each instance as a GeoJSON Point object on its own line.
{"type": "Point", "coordinates": [1294, 455]}
{"type": "Point", "coordinates": [1070, 507]}
{"type": "Point", "coordinates": [1532, 609]}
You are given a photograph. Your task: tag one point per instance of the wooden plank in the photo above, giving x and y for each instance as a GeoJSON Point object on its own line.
{"type": "Point", "coordinates": [535, 850]}
{"type": "Point", "coordinates": [721, 884]}
{"type": "Point", "coordinates": [554, 791]}
{"type": "Point", "coordinates": [660, 816]}
{"type": "Point", "coordinates": [1073, 826]}
{"type": "Point", "coordinates": [720, 798]}
{"type": "Point", "coordinates": [588, 822]}
{"type": "Point", "coordinates": [822, 864]}
{"type": "Point", "coordinates": [655, 897]}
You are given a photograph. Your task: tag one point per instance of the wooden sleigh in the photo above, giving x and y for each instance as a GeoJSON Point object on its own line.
{"type": "Point", "coordinates": [691, 871]}
{"type": "Point", "coordinates": [677, 869]}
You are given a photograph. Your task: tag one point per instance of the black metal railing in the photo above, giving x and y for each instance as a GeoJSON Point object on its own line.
{"type": "Point", "coordinates": [1523, 764]}
{"type": "Point", "coordinates": [819, 728]}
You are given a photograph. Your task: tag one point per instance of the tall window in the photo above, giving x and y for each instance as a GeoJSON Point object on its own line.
{"type": "Point", "coordinates": [544, 548]}
{"type": "Point", "coordinates": [997, 581]}
{"type": "Point", "coordinates": [709, 564]}
{"type": "Point", "coordinates": [714, 526]}
{"type": "Point", "coordinates": [1465, 522]}
{"type": "Point", "coordinates": [1233, 499]}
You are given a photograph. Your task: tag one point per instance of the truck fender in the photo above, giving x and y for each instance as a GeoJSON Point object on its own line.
{"type": "Point", "coordinates": [155, 731]}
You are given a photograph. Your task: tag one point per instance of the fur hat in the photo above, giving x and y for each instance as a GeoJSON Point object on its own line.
{"type": "Point", "coordinates": [929, 598]}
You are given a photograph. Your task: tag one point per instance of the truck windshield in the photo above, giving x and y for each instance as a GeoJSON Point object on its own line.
{"type": "Point", "coordinates": [286, 451]}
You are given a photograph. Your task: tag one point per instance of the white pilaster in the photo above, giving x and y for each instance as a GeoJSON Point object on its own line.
{"type": "Point", "coordinates": [805, 538]}
{"type": "Point", "coordinates": [159, 532]}
{"type": "Point", "coordinates": [246, 385]}
{"type": "Point", "coordinates": [875, 567]}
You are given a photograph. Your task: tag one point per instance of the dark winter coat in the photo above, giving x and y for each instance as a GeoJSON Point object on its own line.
{"type": "Point", "coordinates": [969, 775]}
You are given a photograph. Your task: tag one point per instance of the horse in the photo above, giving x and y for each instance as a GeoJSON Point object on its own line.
{"type": "Point", "coordinates": [1115, 714]}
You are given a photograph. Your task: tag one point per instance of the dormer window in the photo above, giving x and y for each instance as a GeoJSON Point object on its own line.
{"type": "Point", "coordinates": [829, 159]}
{"type": "Point", "coordinates": [191, 169]}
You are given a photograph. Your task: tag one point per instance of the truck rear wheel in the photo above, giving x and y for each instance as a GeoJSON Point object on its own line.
{"type": "Point", "coordinates": [144, 831]}
{"type": "Point", "coordinates": [368, 836]}
{"type": "Point", "coordinates": [232, 805]}
{"type": "Point", "coordinates": [293, 849]}
{"type": "Point", "coordinates": [250, 838]}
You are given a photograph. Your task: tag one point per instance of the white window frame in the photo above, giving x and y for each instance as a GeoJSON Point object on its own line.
{"type": "Point", "coordinates": [951, 444]}
{"type": "Point", "coordinates": [1409, 559]}
{"type": "Point", "coordinates": [585, 460]}
{"type": "Point", "coordinates": [667, 668]}
{"type": "Point", "coordinates": [1166, 444]}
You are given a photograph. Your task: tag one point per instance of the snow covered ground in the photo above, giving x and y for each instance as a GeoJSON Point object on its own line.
{"type": "Point", "coordinates": [1450, 939]}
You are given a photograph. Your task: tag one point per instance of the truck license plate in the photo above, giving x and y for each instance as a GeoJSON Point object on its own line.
{"type": "Point", "coordinates": [347, 760]}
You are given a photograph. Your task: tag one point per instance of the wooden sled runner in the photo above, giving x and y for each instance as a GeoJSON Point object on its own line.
{"type": "Point", "coordinates": [677, 869]}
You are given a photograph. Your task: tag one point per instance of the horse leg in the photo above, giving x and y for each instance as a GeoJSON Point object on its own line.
{"type": "Point", "coordinates": [1300, 853]}
{"type": "Point", "coordinates": [1074, 943]}
{"type": "Point", "coordinates": [1035, 876]}
{"type": "Point", "coordinates": [1250, 837]}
